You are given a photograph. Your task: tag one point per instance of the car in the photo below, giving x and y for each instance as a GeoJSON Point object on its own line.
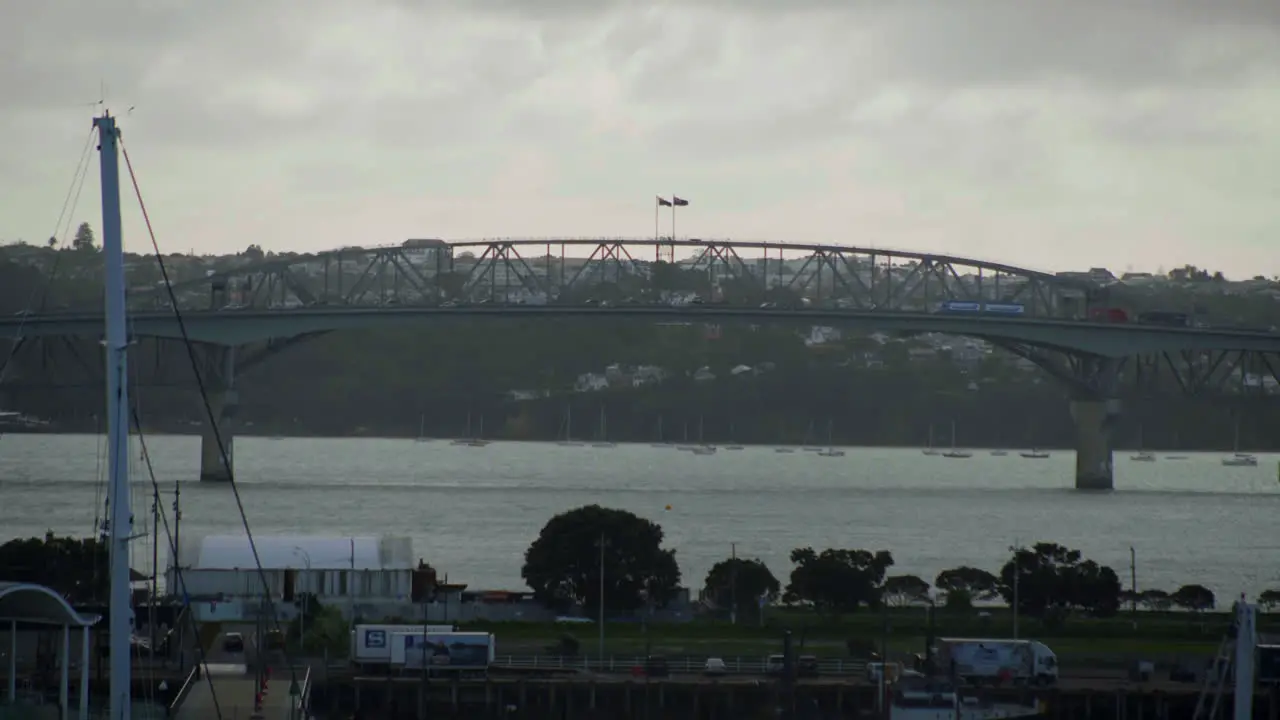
{"type": "Point", "coordinates": [233, 642]}
{"type": "Point", "coordinates": [715, 666]}
{"type": "Point", "coordinates": [775, 665]}
{"type": "Point", "coordinates": [275, 640]}
{"type": "Point", "coordinates": [656, 666]}
{"type": "Point", "coordinates": [807, 666]}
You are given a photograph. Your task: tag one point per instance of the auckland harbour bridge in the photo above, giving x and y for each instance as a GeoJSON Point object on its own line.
{"type": "Point", "coordinates": [247, 314]}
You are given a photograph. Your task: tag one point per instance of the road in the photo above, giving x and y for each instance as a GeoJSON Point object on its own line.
{"type": "Point", "coordinates": [230, 696]}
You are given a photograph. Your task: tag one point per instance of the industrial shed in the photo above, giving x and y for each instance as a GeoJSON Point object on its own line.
{"type": "Point", "coordinates": [343, 571]}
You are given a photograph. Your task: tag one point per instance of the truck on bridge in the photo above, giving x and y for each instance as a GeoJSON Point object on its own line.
{"type": "Point", "coordinates": [1165, 317]}
{"type": "Point", "coordinates": [958, 306]}
{"type": "Point", "coordinates": [1108, 315]}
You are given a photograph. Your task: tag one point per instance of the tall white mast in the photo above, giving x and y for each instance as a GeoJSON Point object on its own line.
{"type": "Point", "coordinates": [121, 611]}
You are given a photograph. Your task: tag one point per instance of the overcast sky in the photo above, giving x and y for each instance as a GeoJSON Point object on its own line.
{"type": "Point", "coordinates": [1055, 134]}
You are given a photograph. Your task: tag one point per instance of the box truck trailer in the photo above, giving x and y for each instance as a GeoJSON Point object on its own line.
{"type": "Point", "coordinates": [997, 661]}
{"type": "Point", "coordinates": [371, 644]}
{"type": "Point", "coordinates": [443, 652]}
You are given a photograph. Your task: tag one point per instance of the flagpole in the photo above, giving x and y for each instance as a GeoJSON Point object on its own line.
{"type": "Point", "coordinates": [657, 207]}
{"type": "Point", "coordinates": [673, 219]}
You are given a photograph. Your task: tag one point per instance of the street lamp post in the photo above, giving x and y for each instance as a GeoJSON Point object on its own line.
{"type": "Point", "coordinates": [302, 618]}
{"type": "Point", "coordinates": [600, 651]}
{"type": "Point", "coordinates": [1133, 581]}
{"type": "Point", "coordinates": [1017, 570]}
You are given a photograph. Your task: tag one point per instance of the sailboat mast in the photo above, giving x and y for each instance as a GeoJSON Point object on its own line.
{"type": "Point", "coordinates": [120, 625]}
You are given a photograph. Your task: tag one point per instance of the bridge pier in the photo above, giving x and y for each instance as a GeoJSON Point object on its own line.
{"type": "Point", "coordinates": [1094, 421]}
{"type": "Point", "coordinates": [1095, 409]}
{"type": "Point", "coordinates": [223, 401]}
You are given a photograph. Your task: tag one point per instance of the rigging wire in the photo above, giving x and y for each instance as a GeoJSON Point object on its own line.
{"type": "Point", "coordinates": [210, 417]}
{"type": "Point", "coordinates": [201, 658]}
{"type": "Point", "coordinates": [73, 190]}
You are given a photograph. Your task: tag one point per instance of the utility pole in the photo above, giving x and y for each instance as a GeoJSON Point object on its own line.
{"type": "Point", "coordinates": [733, 583]}
{"type": "Point", "coordinates": [422, 689]}
{"type": "Point", "coordinates": [1133, 580]}
{"type": "Point", "coordinates": [1017, 570]}
{"type": "Point", "coordinates": [884, 658]}
{"type": "Point", "coordinates": [788, 677]}
{"type": "Point", "coordinates": [155, 563]}
{"type": "Point", "coordinates": [173, 561]}
{"type": "Point", "coordinates": [600, 652]}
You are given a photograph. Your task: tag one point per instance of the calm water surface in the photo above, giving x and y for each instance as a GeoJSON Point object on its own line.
{"type": "Point", "coordinates": [472, 511]}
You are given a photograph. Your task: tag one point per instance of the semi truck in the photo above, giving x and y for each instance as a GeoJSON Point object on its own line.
{"type": "Point", "coordinates": [978, 662]}
{"type": "Point", "coordinates": [1109, 315]}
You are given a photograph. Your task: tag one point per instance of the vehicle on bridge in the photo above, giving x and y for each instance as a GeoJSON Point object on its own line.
{"type": "Point", "coordinates": [957, 306]}
{"type": "Point", "coordinates": [1165, 317]}
{"type": "Point", "coordinates": [1108, 315]}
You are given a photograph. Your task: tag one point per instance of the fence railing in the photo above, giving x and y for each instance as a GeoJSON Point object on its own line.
{"type": "Point", "coordinates": [181, 695]}
{"type": "Point", "coordinates": [303, 701]}
{"type": "Point", "coordinates": [745, 665]}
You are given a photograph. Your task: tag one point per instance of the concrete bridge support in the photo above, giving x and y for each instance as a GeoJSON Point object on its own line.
{"type": "Point", "coordinates": [224, 401]}
{"type": "Point", "coordinates": [1094, 422]}
{"type": "Point", "coordinates": [1095, 410]}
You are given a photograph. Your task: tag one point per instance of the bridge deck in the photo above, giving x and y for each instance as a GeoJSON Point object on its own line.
{"type": "Point", "coordinates": [234, 689]}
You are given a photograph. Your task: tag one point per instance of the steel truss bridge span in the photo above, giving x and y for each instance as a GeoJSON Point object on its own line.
{"type": "Point", "coordinates": [1090, 359]}
{"type": "Point", "coordinates": [568, 269]}
{"type": "Point", "coordinates": [241, 327]}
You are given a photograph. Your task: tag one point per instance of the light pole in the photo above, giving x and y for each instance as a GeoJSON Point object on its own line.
{"type": "Point", "coordinates": [1133, 581]}
{"type": "Point", "coordinates": [600, 651]}
{"type": "Point", "coordinates": [1016, 548]}
{"type": "Point", "coordinates": [733, 583]}
{"type": "Point", "coordinates": [302, 618]}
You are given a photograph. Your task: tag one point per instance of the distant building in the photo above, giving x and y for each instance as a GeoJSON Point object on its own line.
{"type": "Point", "coordinates": [221, 578]}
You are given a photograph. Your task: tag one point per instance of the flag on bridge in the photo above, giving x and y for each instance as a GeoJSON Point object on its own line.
{"type": "Point", "coordinates": [663, 202]}
{"type": "Point", "coordinates": [679, 202]}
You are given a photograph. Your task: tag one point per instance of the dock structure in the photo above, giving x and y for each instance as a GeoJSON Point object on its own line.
{"type": "Point", "coordinates": [597, 696]}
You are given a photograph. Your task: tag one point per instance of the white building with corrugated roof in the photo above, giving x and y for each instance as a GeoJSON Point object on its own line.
{"type": "Point", "coordinates": [220, 570]}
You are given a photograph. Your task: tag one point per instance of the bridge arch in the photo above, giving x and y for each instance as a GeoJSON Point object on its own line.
{"type": "Point", "coordinates": [549, 268]}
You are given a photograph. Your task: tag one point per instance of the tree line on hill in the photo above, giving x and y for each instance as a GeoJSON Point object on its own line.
{"type": "Point", "coordinates": [442, 378]}
{"type": "Point", "coordinates": [1047, 581]}
{"type": "Point", "coordinates": [563, 564]}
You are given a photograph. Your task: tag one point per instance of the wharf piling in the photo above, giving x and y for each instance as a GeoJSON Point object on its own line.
{"type": "Point", "coordinates": [592, 698]}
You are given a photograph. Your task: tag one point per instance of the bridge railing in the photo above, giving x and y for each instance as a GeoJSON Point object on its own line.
{"type": "Point", "coordinates": [303, 699]}
{"type": "Point", "coordinates": [192, 678]}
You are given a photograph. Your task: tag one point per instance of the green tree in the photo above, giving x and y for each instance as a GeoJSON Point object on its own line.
{"type": "Point", "coordinates": [902, 590]}
{"type": "Point", "coordinates": [84, 239]}
{"type": "Point", "coordinates": [1155, 600]}
{"type": "Point", "coordinates": [326, 629]}
{"type": "Point", "coordinates": [741, 582]}
{"type": "Point", "coordinates": [838, 580]}
{"type": "Point", "coordinates": [1196, 598]}
{"type": "Point", "coordinates": [1269, 599]}
{"type": "Point", "coordinates": [965, 584]}
{"type": "Point", "coordinates": [75, 568]}
{"type": "Point", "coordinates": [563, 564]}
{"type": "Point", "coordinates": [1053, 579]}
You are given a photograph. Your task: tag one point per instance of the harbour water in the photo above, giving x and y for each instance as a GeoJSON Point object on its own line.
{"type": "Point", "coordinates": [472, 512]}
